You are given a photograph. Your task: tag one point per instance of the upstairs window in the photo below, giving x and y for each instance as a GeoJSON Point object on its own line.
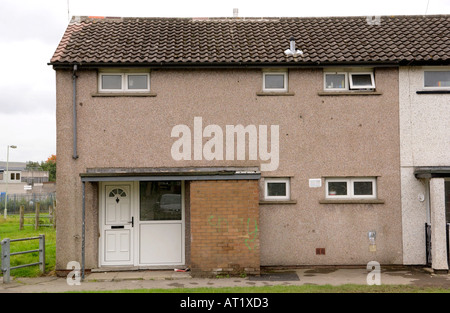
{"type": "Point", "coordinates": [348, 80]}
{"type": "Point", "coordinates": [336, 81]}
{"type": "Point", "coordinates": [437, 79]}
{"type": "Point", "coordinates": [275, 82]}
{"type": "Point", "coordinates": [124, 82]}
{"type": "Point", "coordinates": [360, 81]}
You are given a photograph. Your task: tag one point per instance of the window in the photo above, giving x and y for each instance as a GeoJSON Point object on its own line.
{"type": "Point", "coordinates": [277, 189]}
{"type": "Point", "coordinates": [275, 82]}
{"type": "Point", "coordinates": [17, 176]}
{"type": "Point", "coordinates": [351, 188]}
{"type": "Point", "coordinates": [362, 81]}
{"type": "Point", "coordinates": [335, 81]}
{"type": "Point", "coordinates": [348, 80]}
{"type": "Point", "coordinates": [160, 200]}
{"type": "Point", "coordinates": [124, 82]}
{"type": "Point", "coordinates": [437, 79]}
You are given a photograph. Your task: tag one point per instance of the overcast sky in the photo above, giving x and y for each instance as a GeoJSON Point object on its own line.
{"type": "Point", "coordinates": [30, 31]}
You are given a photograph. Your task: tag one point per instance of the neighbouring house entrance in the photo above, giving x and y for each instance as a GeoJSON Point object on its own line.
{"type": "Point", "coordinates": [142, 223]}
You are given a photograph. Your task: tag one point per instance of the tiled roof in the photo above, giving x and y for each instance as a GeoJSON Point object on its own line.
{"type": "Point", "coordinates": [255, 41]}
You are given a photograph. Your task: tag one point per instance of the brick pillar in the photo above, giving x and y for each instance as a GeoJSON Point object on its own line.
{"type": "Point", "coordinates": [224, 227]}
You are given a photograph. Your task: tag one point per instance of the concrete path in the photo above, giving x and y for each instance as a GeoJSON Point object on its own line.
{"type": "Point", "coordinates": [103, 281]}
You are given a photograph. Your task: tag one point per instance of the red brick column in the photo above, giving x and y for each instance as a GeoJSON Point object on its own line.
{"type": "Point", "coordinates": [224, 227]}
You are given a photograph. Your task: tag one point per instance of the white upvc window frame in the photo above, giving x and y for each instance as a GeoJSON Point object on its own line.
{"type": "Point", "coordinates": [124, 79]}
{"type": "Point", "coordinates": [335, 73]}
{"type": "Point", "coordinates": [371, 86]}
{"type": "Point", "coordinates": [435, 70]}
{"type": "Point", "coordinates": [268, 180]}
{"type": "Point", "coordinates": [350, 188]}
{"type": "Point", "coordinates": [269, 73]}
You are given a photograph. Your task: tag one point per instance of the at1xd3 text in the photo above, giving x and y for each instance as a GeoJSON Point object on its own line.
{"type": "Point", "coordinates": [246, 303]}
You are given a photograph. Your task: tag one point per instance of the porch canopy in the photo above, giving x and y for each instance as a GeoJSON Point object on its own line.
{"type": "Point", "coordinates": [432, 171]}
{"type": "Point", "coordinates": [170, 174]}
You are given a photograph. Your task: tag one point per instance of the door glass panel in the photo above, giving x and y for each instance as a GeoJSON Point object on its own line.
{"type": "Point", "coordinates": [160, 201]}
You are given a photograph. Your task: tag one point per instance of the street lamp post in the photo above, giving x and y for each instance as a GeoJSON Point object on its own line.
{"type": "Point", "coordinates": [7, 176]}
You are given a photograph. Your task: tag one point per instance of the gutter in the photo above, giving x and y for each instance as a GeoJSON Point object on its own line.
{"type": "Point", "coordinates": [74, 104]}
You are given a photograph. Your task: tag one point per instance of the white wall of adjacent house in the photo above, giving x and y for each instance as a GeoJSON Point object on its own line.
{"type": "Point", "coordinates": [424, 142]}
{"type": "Point", "coordinates": [13, 177]}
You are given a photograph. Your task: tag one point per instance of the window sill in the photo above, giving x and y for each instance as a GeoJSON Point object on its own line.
{"type": "Point", "coordinates": [351, 201]}
{"type": "Point", "coordinates": [277, 201]}
{"type": "Point", "coordinates": [268, 93]}
{"type": "Point", "coordinates": [433, 92]}
{"type": "Point", "coordinates": [349, 93]}
{"type": "Point", "coordinates": [123, 94]}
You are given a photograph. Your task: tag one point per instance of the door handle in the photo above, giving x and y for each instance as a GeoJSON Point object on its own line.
{"type": "Point", "coordinates": [132, 221]}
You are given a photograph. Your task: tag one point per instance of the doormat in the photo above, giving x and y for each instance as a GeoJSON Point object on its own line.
{"type": "Point", "coordinates": [281, 276]}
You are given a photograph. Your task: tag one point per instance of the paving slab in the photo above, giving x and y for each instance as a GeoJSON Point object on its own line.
{"type": "Point", "coordinates": [103, 281]}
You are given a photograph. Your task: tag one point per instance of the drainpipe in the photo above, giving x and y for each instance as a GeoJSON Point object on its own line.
{"type": "Point", "coordinates": [83, 232]}
{"type": "Point", "coordinates": [74, 104]}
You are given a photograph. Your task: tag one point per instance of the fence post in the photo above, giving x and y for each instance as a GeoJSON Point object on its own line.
{"type": "Point", "coordinates": [6, 260]}
{"type": "Point", "coordinates": [54, 213]}
{"type": "Point", "coordinates": [22, 212]}
{"type": "Point", "coordinates": [42, 253]}
{"type": "Point", "coordinates": [50, 213]}
{"type": "Point", "coordinates": [36, 220]}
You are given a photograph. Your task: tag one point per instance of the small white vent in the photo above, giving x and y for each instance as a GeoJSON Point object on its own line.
{"type": "Point", "coordinates": [292, 51]}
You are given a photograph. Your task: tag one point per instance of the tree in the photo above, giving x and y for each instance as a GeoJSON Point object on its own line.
{"type": "Point", "coordinates": [31, 165]}
{"type": "Point", "coordinates": [50, 166]}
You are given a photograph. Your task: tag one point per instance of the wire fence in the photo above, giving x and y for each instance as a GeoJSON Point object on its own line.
{"type": "Point", "coordinates": [28, 201]}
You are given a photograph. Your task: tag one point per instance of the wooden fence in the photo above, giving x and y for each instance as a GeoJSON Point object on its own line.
{"type": "Point", "coordinates": [38, 217]}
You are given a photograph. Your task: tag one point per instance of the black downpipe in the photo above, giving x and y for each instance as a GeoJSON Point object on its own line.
{"type": "Point", "coordinates": [74, 99]}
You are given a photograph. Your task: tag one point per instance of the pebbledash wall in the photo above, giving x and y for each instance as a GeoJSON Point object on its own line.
{"type": "Point", "coordinates": [320, 136]}
{"type": "Point", "coordinates": [424, 132]}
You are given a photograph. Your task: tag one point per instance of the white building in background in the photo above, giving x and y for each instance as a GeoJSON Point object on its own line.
{"type": "Point", "coordinates": [425, 163]}
{"type": "Point", "coordinates": [21, 180]}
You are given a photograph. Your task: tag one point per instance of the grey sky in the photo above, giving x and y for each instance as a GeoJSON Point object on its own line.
{"type": "Point", "coordinates": [30, 30]}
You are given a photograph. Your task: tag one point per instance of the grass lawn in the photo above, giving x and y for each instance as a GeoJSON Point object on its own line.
{"type": "Point", "coordinates": [9, 228]}
{"type": "Point", "coordinates": [293, 289]}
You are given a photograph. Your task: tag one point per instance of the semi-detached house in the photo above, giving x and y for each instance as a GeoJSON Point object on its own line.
{"type": "Point", "coordinates": [229, 144]}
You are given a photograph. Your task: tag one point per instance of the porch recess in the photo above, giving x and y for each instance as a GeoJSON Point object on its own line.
{"type": "Point", "coordinates": [97, 175]}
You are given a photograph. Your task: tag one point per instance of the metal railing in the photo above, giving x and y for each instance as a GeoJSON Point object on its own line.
{"type": "Point", "coordinates": [6, 256]}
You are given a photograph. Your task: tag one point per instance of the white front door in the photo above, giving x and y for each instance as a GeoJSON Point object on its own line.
{"type": "Point", "coordinates": [142, 224]}
{"type": "Point", "coordinates": [117, 225]}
